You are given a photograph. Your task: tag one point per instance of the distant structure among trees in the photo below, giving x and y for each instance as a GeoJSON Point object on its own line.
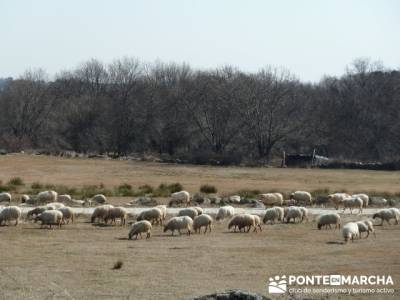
{"type": "Point", "coordinates": [222, 116]}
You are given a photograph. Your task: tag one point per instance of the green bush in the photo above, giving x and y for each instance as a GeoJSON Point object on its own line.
{"type": "Point", "coordinates": [146, 189]}
{"type": "Point", "coordinates": [124, 190]}
{"type": "Point", "coordinates": [175, 187]}
{"type": "Point", "coordinates": [16, 181]}
{"type": "Point", "coordinates": [208, 189]}
{"type": "Point", "coordinates": [36, 186]}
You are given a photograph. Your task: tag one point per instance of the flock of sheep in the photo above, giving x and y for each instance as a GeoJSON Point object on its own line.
{"type": "Point", "coordinates": [55, 213]}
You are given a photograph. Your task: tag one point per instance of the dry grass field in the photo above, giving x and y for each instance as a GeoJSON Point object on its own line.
{"type": "Point", "coordinates": [76, 262]}
{"type": "Point", "coordinates": [79, 172]}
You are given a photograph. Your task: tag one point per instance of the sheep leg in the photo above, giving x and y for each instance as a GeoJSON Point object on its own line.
{"type": "Point", "coordinates": [16, 222]}
{"type": "Point", "coordinates": [209, 227]}
{"type": "Point", "coordinates": [148, 235]}
{"type": "Point", "coordinates": [259, 226]}
{"type": "Point", "coordinates": [205, 231]}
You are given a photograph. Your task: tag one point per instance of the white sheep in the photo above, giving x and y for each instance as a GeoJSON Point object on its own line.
{"type": "Point", "coordinates": [5, 197]}
{"type": "Point", "coordinates": [182, 197]}
{"type": "Point", "coordinates": [26, 199]}
{"type": "Point", "coordinates": [304, 213]}
{"type": "Point", "coordinates": [302, 196]}
{"type": "Point", "coordinates": [68, 214]}
{"type": "Point", "coordinates": [328, 220]}
{"type": "Point", "coordinates": [47, 196]}
{"type": "Point", "coordinates": [54, 205]}
{"type": "Point", "coordinates": [234, 199]}
{"type": "Point", "coordinates": [10, 213]}
{"type": "Point", "coordinates": [202, 220]}
{"type": "Point", "coordinates": [163, 209]}
{"type": "Point", "coordinates": [179, 223]}
{"type": "Point", "coordinates": [225, 212]}
{"type": "Point", "coordinates": [379, 202]}
{"type": "Point", "coordinates": [352, 203]}
{"type": "Point", "coordinates": [386, 215]}
{"type": "Point", "coordinates": [242, 221]}
{"type": "Point", "coordinates": [190, 212]}
{"type": "Point", "coordinates": [64, 198]}
{"type": "Point", "coordinates": [99, 198]}
{"type": "Point", "coordinates": [294, 212]}
{"type": "Point", "coordinates": [100, 213]}
{"type": "Point", "coordinates": [154, 215]}
{"type": "Point", "coordinates": [350, 231]}
{"type": "Point", "coordinates": [36, 211]}
{"type": "Point", "coordinates": [257, 222]}
{"type": "Point", "coordinates": [365, 227]}
{"type": "Point", "coordinates": [140, 227]}
{"type": "Point", "coordinates": [116, 213]}
{"type": "Point", "coordinates": [199, 210]}
{"type": "Point", "coordinates": [272, 214]}
{"type": "Point", "coordinates": [50, 217]}
{"type": "Point", "coordinates": [271, 198]}
{"type": "Point", "coordinates": [370, 226]}
{"type": "Point", "coordinates": [337, 198]}
{"type": "Point", "coordinates": [363, 197]}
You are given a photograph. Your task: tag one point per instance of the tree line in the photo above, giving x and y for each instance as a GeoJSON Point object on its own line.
{"type": "Point", "coordinates": [200, 116]}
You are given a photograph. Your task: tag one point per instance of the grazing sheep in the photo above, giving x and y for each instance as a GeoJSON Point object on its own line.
{"type": "Point", "coordinates": [154, 215]}
{"type": "Point", "coordinates": [370, 226]}
{"type": "Point", "coordinates": [386, 215]}
{"type": "Point", "coordinates": [182, 197]}
{"type": "Point", "coordinates": [140, 227]}
{"type": "Point", "coordinates": [47, 197]}
{"type": "Point", "coordinates": [199, 210]}
{"type": "Point", "coordinates": [225, 212]}
{"type": "Point", "coordinates": [242, 221]}
{"type": "Point", "coordinates": [5, 197]}
{"type": "Point", "coordinates": [100, 213]}
{"type": "Point", "coordinates": [322, 201]}
{"type": "Point", "coordinates": [10, 213]}
{"type": "Point", "coordinates": [190, 212]}
{"type": "Point", "coordinates": [271, 198]}
{"type": "Point", "coordinates": [36, 211]}
{"type": "Point", "coordinates": [99, 198]}
{"type": "Point", "coordinates": [328, 220]}
{"type": "Point", "coordinates": [304, 213]}
{"type": "Point", "coordinates": [257, 221]}
{"type": "Point", "coordinates": [350, 231]}
{"type": "Point", "coordinates": [116, 213]}
{"type": "Point", "coordinates": [351, 203]}
{"type": "Point", "coordinates": [68, 214]}
{"type": "Point", "coordinates": [363, 197]}
{"type": "Point", "coordinates": [337, 198]}
{"type": "Point", "coordinates": [64, 198]}
{"type": "Point", "coordinates": [54, 205]}
{"type": "Point", "coordinates": [234, 199]}
{"type": "Point", "coordinates": [203, 220]}
{"type": "Point", "coordinates": [163, 209]}
{"type": "Point", "coordinates": [302, 196]}
{"type": "Point", "coordinates": [364, 227]}
{"type": "Point", "coordinates": [74, 202]}
{"type": "Point", "coordinates": [379, 201]}
{"type": "Point", "coordinates": [26, 199]}
{"type": "Point", "coordinates": [294, 212]}
{"type": "Point", "coordinates": [272, 214]}
{"type": "Point", "coordinates": [281, 212]}
{"type": "Point", "coordinates": [179, 223]}
{"type": "Point", "coordinates": [290, 202]}
{"type": "Point", "coordinates": [50, 217]}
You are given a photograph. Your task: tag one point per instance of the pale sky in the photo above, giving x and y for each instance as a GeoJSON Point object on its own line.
{"type": "Point", "coordinates": [310, 38]}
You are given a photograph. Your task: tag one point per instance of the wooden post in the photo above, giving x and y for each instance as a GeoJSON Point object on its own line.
{"type": "Point", "coordinates": [283, 165]}
{"type": "Point", "coordinates": [313, 158]}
